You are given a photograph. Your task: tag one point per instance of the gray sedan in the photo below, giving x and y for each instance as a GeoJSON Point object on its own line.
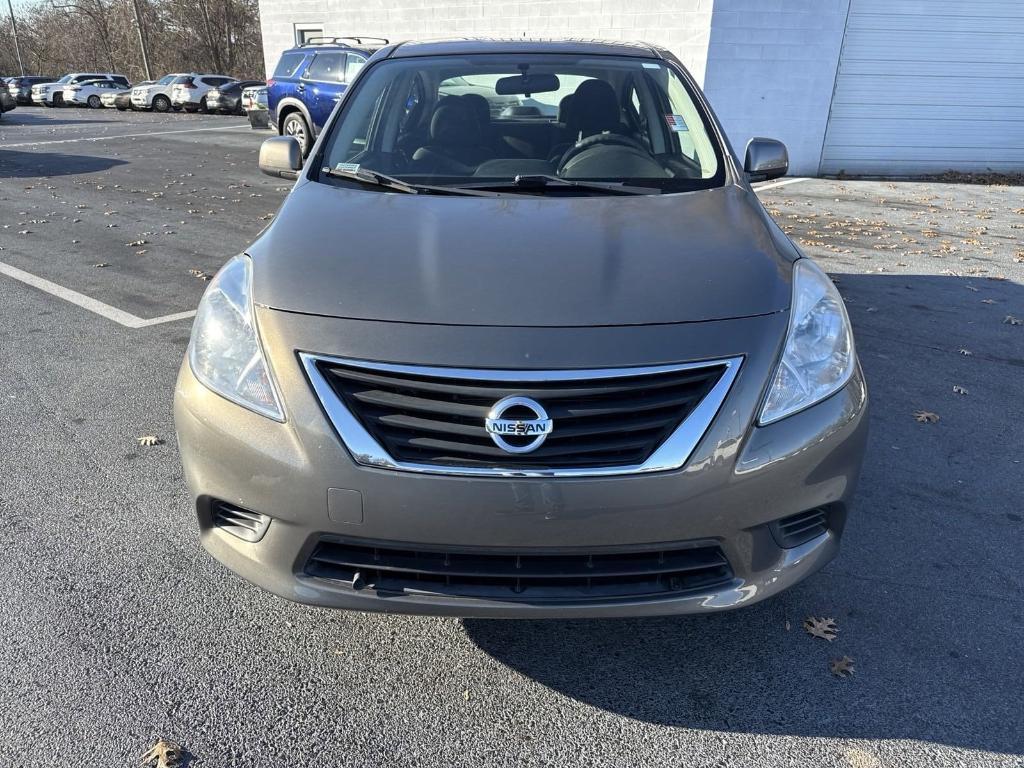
{"type": "Point", "coordinates": [547, 361]}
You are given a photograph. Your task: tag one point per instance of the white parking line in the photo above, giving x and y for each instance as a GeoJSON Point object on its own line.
{"type": "Point", "coordinates": [127, 319]}
{"type": "Point", "coordinates": [784, 182]}
{"type": "Point", "coordinates": [124, 136]}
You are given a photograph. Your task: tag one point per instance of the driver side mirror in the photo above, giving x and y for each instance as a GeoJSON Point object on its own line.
{"type": "Point", "coordinates": [281, 156]}
{"type": "Point", "coordinates": [766, 159]}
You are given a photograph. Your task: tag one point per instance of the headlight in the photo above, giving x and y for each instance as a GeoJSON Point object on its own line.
{"type": "Point", "coordinates": [818, 359]}
{"type": "Point", "coordinates": [224, 351]}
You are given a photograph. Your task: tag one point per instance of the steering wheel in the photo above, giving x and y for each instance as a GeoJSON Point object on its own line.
{"type": "Point", "coordinates": [614, 139]}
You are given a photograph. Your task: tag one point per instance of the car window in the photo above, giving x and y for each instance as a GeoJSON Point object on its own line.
{"type": "Point", "coordinates": [289, 64]}
{"type": "Point", "coordinates": [167, 79]}
{"type": "Point", "coordinates": [326, 67]}
{"type": "Point", "coordinates": [120, 80]}
{"type": "Point", "coordinates": [353, 64]}
{"type": "Point", "coordinates": [460, 119]}
{"type": "Point", "coordinates": [183, 80]}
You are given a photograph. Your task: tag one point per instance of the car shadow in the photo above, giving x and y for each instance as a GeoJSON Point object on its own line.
{"type": "Point", "coordinates": [15, 164]}
{"type": "Point", "coordinates": [926, 591]}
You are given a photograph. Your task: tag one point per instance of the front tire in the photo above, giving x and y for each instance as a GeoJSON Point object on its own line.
{"type": "Point", "coordinates": [94, 102]}
{"type": "Point", "coordinates": [203, 108]}
{"type": "Point", "coordinates": [295, 125]}
{"type": "Point", "coordinates": [58, 99]}
{"type": "Point", "coordinates": [122, 109]}
{"type": "Point", "coordinates": [161, 103]}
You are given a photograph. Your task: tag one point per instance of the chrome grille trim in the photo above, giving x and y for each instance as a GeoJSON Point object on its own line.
{"type": "Point", "coordinates": [672, 454]}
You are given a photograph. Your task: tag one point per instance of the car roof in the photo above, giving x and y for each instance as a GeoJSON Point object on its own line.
{"type": "Point", "coordinates": [468, 45]}
{"type": "Point", "coordinates": [357, 44]}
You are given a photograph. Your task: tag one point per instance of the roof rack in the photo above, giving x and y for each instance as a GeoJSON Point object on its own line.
{"type": "Point", "coordinates": [362, 40]}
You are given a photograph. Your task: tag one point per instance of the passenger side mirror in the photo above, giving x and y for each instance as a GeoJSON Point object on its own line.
{"type": "Point", "coordinates": [766, 159]}
{"type": "Point", "coordinates": [281, 156]}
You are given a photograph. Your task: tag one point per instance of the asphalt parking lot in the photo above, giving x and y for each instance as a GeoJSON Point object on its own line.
{"type": "Point", "coordinates": [118, 629]}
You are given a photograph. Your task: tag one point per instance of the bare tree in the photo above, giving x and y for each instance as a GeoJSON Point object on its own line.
{"type": "Point", "coordinates": [59, 36]}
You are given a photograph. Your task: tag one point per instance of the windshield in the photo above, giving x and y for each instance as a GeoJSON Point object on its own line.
{"type": "Point", "coordinates": [65, 79]}
{"type": "Point", "coordinates": [166, 80]}
{"type": "Point", "coordinates": [486, 120]}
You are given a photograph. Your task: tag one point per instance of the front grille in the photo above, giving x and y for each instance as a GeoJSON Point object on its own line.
{"type": "Point", "coordinates": [561, 575]}
{"type": "Point", "coordinates": [435, 419]}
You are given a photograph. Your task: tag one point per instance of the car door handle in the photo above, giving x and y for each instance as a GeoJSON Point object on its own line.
{"type": "Point", "coordinates": [300, 88]}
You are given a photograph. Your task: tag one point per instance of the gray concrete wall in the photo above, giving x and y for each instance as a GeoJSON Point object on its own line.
{"type": "Point", "coordinates": [771, 70]}
{"type": "Point", "coordinates": [768, 66]}
{"type": "Point", "coordinates": [682, 26]}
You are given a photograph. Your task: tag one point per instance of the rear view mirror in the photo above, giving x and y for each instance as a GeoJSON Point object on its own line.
{"type": "Point", "coordinates": [766, 159]}
{"type": "Point", "coordinates": [281, 156]}
{"type": "Point", "coordinates": [524, 85]}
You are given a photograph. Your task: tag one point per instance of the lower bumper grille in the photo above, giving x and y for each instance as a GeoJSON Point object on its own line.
{"type": "Point", "coordinates": [565, 575]}
{"type": "Point", "coordinates": [798, 529]}
{"type": "Point", "coordinates": [246, 525]}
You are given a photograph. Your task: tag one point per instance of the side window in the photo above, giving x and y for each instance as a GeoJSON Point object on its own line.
{"type": "Point", "coordinates": [120, 80]}
{"type": "Point", "coordinates": [288, 64]}
{"type": "Point", "coordinates": [353, 64]}
{"type": "Point", "coordinates": [326, 67]}
{"type": "Point", "coordinates": [634, 112]}
{"type": "Point", "coordinates": [413, 107]}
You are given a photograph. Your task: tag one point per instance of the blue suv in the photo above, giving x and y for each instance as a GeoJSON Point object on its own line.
{"type": "Point", "coordinates": [310, 79]}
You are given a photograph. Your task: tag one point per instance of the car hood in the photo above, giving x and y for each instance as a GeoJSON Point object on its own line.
{"type": "Point", "coordinates": [522, 260]}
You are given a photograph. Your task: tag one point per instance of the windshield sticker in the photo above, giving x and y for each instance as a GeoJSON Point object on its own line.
{"type": "Point", "coordinates": [676, 123]}
{"type": "Point", "coordinates": [649, 65]}
{"type": "Point", "coordinates": [350, 167]}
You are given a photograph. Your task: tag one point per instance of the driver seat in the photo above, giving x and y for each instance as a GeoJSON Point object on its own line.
{"type": "Point", "coordinates": [592, 109]}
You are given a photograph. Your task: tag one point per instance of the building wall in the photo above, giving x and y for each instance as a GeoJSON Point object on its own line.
{"type": "Point", "coordinates": [771, 71]}
{"type": "Point", "coordinates": [682, 26]}
{"type": "Point", "coordinates": [768, 66]}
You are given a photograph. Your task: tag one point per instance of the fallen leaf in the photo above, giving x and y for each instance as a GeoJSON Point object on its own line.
{"type": "Point", "coordinates": [149, 440]}
{"type": "Point", "coordinates": [826, 629]}
{"type": "Point", "coordinates": [842, 667]}
{"type": "Point", "coordinates": [966, 352]}
{"type": "Point", "coordinates": [1011, 320]}
{"type": "Point", "coordinates": [926, 417]}
{"type": "Point", "coordinates": [957, 390]}
{"type": "Point", "coordinates": [136, 243]}
{"type": "Point", "coordinates": [988, 301]}
{"type": "Point", "coordinates": [101, 264]}
{"type": "Point", "coordinates": [164, 754]}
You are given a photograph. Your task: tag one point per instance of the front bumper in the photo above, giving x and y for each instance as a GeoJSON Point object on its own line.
{"type": "Point", "coordinates": [736, 483]}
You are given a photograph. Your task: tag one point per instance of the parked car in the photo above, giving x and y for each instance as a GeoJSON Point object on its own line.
{"type": "Point", "coordinates": [89, 93]}
{"type": "Point", "coordinates": [592, 378]}
{"type": "Point", "coordinates": [254, 98]}
{"type": "Point", "coordinates": [254, 103]}
{"type": "Point", "coordinates": [21, 87]}
{"type": "Point", "coordinates": [189, 92]}
{"type": "Point", "coordinates": [52, 94]}
{"type": "Point", "coordinates": [227, 98]}
{"type": "Point", "coordinates": [156, 95]}
{"type": "Point", "coordinates": [310, 79]}
{"type": "Point", "coordinates": [7, 102]}
{"type": "Point", "coordinates": [121, 98]}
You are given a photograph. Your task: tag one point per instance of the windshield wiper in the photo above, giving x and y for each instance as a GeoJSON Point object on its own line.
{"type": "Point", "coordinates": [541, 181]}
{"type": "Point", "coordinates": [377, 179]}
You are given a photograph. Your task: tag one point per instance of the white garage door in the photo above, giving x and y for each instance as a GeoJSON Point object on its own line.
{"type": "Point", "coordinates": [929, 85]}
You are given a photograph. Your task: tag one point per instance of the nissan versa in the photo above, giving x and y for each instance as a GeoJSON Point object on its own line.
{"type": "Point", "coordinates": [522, 341]}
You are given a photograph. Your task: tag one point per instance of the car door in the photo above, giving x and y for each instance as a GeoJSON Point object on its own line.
{"type": "Point", "coordinates": [322, 85]}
